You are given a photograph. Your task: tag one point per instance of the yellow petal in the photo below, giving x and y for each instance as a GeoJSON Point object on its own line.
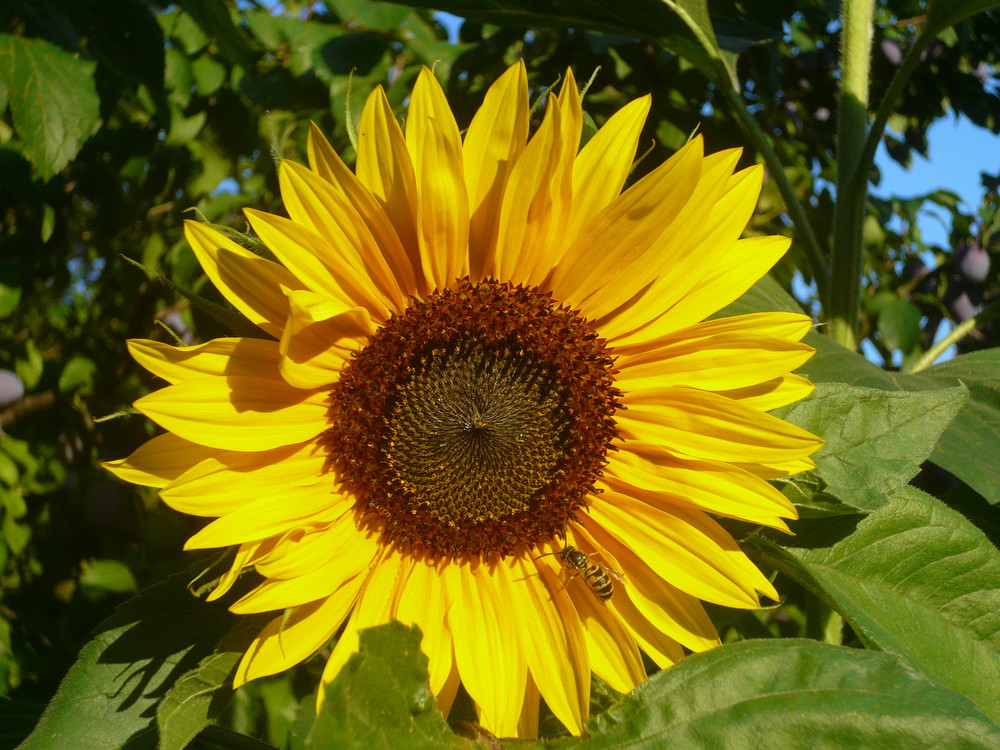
{"type": "Point", "coordinates": [424, 602]}
{"type": "Point", "coordinates": [786, 325]}
{"type": "Point", "coordinates": [663, 650]}
{"type": "Point", "coordinates": [319, 339]}
{"type": "Point", "coordinates": [602, 166]}
{"type": "Point", "coordinates": [442, 202]}
{"type": "Point", "coordinates": [355, 552]}
{"type": "Point", "coordinates": [721, 362]}
{"type": "Point", "coordinates": [624, 235]}
{"type": "Point", "coordinates": [238, 412]}
{"type": "Point", "coordinates": [275, 513]}
{"type": "Point", "coordinates": [325, 269]}
{"type": "Point", "coordinates": [613, 653]}
{"type": "Point", "coordinates": [490, 662]}
{"type": "Point", "coordinates": [676, 550]}
{"type": "Point", "coordinates": [664, 481]}
{"type": "Point", "coordinates": [552, 638]}
{"type": "Point", "coordinates": [493, 143]}
{"type": "Point", "coordinates": [286, 641]}
{"type": "Point", "coordinates": [315, 204]}
{"type": "Point", "coordinates": [251, 283]}
{"type": "Point", "coordinates": [232, 356]}
{"type": "Point", "coordinates": [686, 248]}
{"type": "Point", "coordinates": [159, 461]}
{"type": "Point", "coordinates": [328, 165]}
{"type": "Point", "coordinates": [230, 479]}
{"type": "Point", "coordinates": [384, 167]}
{"type": "Point", "coordinates": [539, 194]}
{"type": "Point", "coordinates": [527, 725]}
{"type": "Point", "coordinates": [701, 424]}
{"type": "Point", "coordinates": [676, 614]}
{"type": "Point", "coordinates": [226, 581]}
{"type": "Point", "coordinates": [737, 268]}
{"type": "Point", "coordinates": [767, 470]}
{"type": "Point", "coordinates": [376, 606]}
{"type": "Point", "coordinates": [773, 393]}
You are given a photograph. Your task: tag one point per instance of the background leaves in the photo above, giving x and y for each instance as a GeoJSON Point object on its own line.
{"type": "Point", "coordinates": [119, 118]}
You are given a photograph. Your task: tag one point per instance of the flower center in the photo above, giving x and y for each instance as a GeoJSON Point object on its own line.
{"type": "Point", "coordinates": [475, 422]}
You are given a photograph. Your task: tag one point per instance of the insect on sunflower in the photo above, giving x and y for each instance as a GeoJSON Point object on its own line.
{"type": "Point", "coordinates": [483, 352]}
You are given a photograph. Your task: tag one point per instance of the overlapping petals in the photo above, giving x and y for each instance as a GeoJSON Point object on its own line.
{"type": "Point", "coordinates": [246, 417]}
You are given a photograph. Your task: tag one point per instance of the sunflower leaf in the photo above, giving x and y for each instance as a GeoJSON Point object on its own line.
{"type": "Point", "coordinates": [875, 440]}
{"type": "Point", "coordinates": [966, 447]}
{"type": "Point", "coordinates": [203, 693]}
{"type": "Point", "coordinates": [795, 693]}
{"type": "Point", "coordinates": [53, 100]}
{"type": "Point", "coordinates": [382, 697]}
{"type": "Point", "coordinates": [108, 697]}
{"type": "Point", "coordinates": [909, 578]}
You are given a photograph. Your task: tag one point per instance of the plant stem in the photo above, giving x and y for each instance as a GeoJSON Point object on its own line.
{"type": "Point", "coordinates": [852, 129]}
{"type": "Point", "coordinates": [956, 334]}
{"type": "Point", "coordinates": [888, 103]}
{"type": "Point", "coordinates": [803, 229]}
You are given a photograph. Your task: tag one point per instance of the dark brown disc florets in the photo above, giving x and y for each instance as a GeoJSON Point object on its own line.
{"type": "Point", "coordinates": [476, 421]}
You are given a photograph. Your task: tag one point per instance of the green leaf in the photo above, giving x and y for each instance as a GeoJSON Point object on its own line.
{"type": "Point", "coordinates": [29, 367]}
{"type": "Point", "coordinates": [214, 19]}
{"type": "Point", "coordinates": [103, 577]}
{"type": "Point", "coordinates": [944, 13]}
{"type": "Point", "coordinates": [201, 695]}
{"type": "Point", "coordinates": [382, 699]}
{"type": "Point", "coordinates": [791, 694]}
{"type": "Point", "coordinates": [77, 375]}
{"type": "Point", "coordinates": [914, 578]}
{"type": "Point", "coordinates": [10, 297]}
{"type": "Point", "coordinates": [968, 447]}
{"type": "Point", "coordinates": [875, 440]}
{"type": "Point", "coordinates": [368, 15]}
{"type": "Point", "coordinates": [53, 100]}
{"type": "Point", "coordinates": [683, 26]}
{"type": "Point", "coordinates": [108, 697]}
{"type": "Point", "coordinates": [899, 325]}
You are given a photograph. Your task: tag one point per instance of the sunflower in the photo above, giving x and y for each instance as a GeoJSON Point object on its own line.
{"type": "Point", "coordinates": [483, 401]}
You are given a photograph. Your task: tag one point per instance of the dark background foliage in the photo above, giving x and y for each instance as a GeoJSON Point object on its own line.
{"type": "Point", "coordinates": [122, 117]}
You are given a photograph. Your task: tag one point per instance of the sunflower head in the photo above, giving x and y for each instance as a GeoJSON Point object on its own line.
{"type": "Point", "coordinates": [484, 401]}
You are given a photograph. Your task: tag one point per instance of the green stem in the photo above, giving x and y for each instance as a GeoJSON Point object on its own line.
{"type": "Point", "coordinates": [803, 229]}
{"type": "Point", "coordinates": [852, 131]}
{"type": "Point", "coordinates": [956, 334]}
{"type": "Point", "coordinates": [888, 103]}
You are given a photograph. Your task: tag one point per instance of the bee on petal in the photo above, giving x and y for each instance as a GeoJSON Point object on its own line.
{"type": "Point", "coordinates": [597, 575]}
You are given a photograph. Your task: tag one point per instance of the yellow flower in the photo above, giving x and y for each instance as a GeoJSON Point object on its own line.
{"type": "Point", "coordinates": [489, 406]}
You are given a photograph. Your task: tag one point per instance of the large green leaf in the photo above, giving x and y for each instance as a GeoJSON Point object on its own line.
{"type": "Point", "coordinates": [967, 447]}
{"type": "Point", "coordinates": [914, 578]}
{"type": "Point", "coordinates": [382, 699]}
{"type": "Point", "coordinates": [875, 440]}
{"type": "Point", "coordinates": [108, 698]}
{"type": "Point", "coordinates": [791, 694]}
{"type": "Point", "coordinates": [53, 100]}
{"type": "Point", "coordinates": [201, 695]}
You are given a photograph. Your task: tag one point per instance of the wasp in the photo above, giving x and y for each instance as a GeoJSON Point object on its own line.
{"type": "Point", "coordinates": [597, 576]}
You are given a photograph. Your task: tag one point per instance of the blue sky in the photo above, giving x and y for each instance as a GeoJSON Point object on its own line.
{"type": "Point", "coordinates": [958, 152]}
